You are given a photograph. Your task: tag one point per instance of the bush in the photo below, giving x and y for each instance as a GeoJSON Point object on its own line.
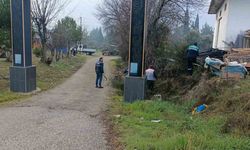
{"type": "Point", "coordinates": [118, 84]}
{"type": "Point", "coordinates": [37, 52]}
{"type": "Point", "coordinates": [5, 38]}
{"type": "Point", "coordinates": [170, 60]}
{"type": "Point", "coordinates": [171, 64]}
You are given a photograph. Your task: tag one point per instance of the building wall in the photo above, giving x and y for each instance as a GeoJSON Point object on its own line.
{"type": "Point", "coordinates": [239, 19]}
{"type": "Point", "coordinates": [234, 20]}
{"type": "Point", "coordinates": [221, 26]}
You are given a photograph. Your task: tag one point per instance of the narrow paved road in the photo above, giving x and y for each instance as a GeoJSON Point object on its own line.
{"type": "Point", "coordinates": [64, 118]}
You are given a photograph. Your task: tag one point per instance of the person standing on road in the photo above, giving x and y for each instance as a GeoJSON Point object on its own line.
{"type": "Point", "coordinates": [192, 54]}
{"type": "Point", "coordinates": [99, 69]}
{"type": "Point", "coordinates": [151, 77]}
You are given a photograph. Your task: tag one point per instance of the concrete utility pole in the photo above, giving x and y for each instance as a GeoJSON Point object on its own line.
{"type": "Point", "coordinates": [135, 83]}
{"type": "Point", "coordinates": [22, 73]}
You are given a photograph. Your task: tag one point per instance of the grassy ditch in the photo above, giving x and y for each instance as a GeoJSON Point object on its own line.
{"type": "Point", "coordinates": [178, 129]}
{"type": "Point", "coordinates": [47, 76]}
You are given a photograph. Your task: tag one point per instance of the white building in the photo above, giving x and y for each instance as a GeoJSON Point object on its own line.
{"type": "Point", "coordinates": [232, 18]}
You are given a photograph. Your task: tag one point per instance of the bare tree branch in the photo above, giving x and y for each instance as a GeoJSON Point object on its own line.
{"type": "Point", "coordinates": [43, 13]}
{"type": "Point", "coordinates": [162, 16]}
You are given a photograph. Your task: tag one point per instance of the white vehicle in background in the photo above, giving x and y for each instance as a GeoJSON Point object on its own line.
{"type": "Point", "coordinates": [82, 49]}
{"type": "Point", "coordinates": [89, 51]}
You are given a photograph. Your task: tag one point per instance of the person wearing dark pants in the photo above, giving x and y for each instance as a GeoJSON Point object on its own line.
{"type": "Point", "coordinates": [191, 60]}
{"type": "Point", "coordinates": [151, 77]}
{"type": "Point", "coordinates": [192, 54]}
{"type": "Point", "coordinates": [99, 69]}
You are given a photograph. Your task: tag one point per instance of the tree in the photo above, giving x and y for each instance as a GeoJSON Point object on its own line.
{"type": "Point", "coordinates": [162, 16]}
{"type": "Point", "coordinates": [44, 12]}
{"type": "Point", "coordinates": [186, 23]}
{"type": "Point", "coordinates": [66, 33]}
{"type": "Point", "coordinates": [5, 44]}
{"type": "Point", "coordinates": [203, 38]}
{"type": "Point", "coordinates": [197, 23]}
{"type": "Point", "coordinates": [84, 35]}
{"type": "Point", "coordinates": [207, 30]}
{"type": "Point", "coordinates": [207, 33]}
{"type": "Point", "coordinates": [96, 38]}
{"type": "Point", "coordinates": [5, 14]}
{"type": "Point", "coordinates": [115, 15]}
{"type": "Point", "coordinates": [193, 36]}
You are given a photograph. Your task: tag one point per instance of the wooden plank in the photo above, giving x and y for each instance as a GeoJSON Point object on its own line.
{"type": "Point", "coordinates": [241, 49]}
{"type": "Point", "coordinates": [233, 76]}
{"type": "Point", "coordinates": [225, 74]}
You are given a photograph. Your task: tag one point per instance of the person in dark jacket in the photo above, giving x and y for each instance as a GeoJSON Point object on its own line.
{"type": "Point", "coordinates": [192, 54]}
{"type": "Point", "coordinates": [99, 69]}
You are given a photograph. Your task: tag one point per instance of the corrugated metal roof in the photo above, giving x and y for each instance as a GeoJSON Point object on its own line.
{"type": "Point", "coordinates": [215, 6]}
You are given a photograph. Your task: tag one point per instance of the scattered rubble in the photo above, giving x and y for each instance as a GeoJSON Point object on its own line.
{"type": "Point", "coordinates": [235, 64]}
{"type": "Point", "coordinates": [239, 55]}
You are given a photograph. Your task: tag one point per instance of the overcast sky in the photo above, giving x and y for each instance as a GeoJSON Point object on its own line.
{"type": "Point", "coordinates": [205, 17]}
{"type": "Point", "coordinates": [87, 10]}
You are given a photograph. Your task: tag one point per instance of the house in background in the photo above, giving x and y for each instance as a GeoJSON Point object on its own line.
{"type": "Point", "coordinates": [232, 19]}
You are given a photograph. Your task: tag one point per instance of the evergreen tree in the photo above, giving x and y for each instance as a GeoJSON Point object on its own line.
{"type": "Point", "coordinates": [5, 26]}
{"type": "Point", "coordinates": [207, 30]}
{"type": "Point", "coordinates": [197, 23]}
{"type": "Point", "coordinates": [207, 33]}
{"type": "Point", "coordinates": [186, 22]}
{"type": "Point", "coordinates": [100, 37]}
{"type": "Point", "coordinates": [5, 14]}
{"type": "Point", "coordinates": [96, 38]}
{"type": "Point", "coordinates": [66, 33]}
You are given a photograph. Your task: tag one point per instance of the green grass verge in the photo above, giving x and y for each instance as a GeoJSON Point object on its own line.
{"type": "Point", "coordinates": [178, 130]}
{"type": "Point", "coordinates": [47, 76]}
{"type": "Point", "coordinates": [224, 126]}
{"type": "Point", "coordinates": [7, 96]}
{"type": "Point", "coordinates": [50, 76]}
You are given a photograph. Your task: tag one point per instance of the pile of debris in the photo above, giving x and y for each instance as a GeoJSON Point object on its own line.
{"type": "Point", "coordinates": [239, 55]}
{"type": "Point", "coordinates": [226, 69]}
{"type": "Point", "coordinates": [212, 53]}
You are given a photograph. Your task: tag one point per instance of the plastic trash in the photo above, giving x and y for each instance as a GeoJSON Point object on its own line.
{"type": "Point", "coordinates": [199, 109]}
{"type": "Point", "coordinates": [117, 116]}
{"type": "Point", "coordinates": [156, 121]}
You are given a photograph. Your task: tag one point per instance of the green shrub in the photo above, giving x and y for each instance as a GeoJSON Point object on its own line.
{"type": "Point", "coordinates": [118, 84]}
{"type": "Point", "coordinates": [5, 38]}
{"type": "Point", "coordinates": [117, 80]}
{"type": "Point", "coordinates": [37, 52]}
{"type": "Point", "coordinates": [170, 60]}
